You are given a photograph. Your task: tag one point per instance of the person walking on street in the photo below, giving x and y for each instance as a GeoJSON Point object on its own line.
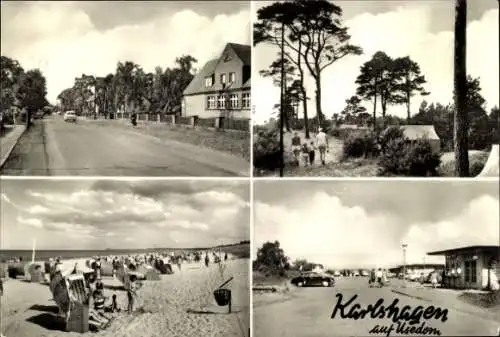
{"type": "Point", "coordinates": [322, 145]}
{"type": "Point", "coordinates": [378, 275]}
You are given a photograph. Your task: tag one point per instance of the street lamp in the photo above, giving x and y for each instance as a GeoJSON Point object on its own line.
{"type": "Point", "coordinates": [404, 246]}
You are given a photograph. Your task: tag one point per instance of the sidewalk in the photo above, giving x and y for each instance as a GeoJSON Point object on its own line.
{"type": "Point", "coordinates": [10, 140]}
{"type": "Point", "coordinates": [446, 298]}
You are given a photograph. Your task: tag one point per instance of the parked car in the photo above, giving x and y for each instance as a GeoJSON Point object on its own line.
{"type": "Point", "coordinates": [313, 280]}
{"type": "Point", "coordinates": [70, 116]}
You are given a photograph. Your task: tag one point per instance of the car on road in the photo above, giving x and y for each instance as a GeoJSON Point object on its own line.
{"type": "Point", "coordinates": [70, 116]}
{"type": "Point", "coordinates": [313, 280]}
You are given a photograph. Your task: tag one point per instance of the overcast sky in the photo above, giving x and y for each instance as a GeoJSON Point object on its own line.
{"type": "Point", "coordinates": [364, 223]}
{"type": "Point", "coordinates": [422, 30]}
{"type": "Point", "coordinates": [66, 39]}
{"type": "Point", "coordinates": [120, 214]}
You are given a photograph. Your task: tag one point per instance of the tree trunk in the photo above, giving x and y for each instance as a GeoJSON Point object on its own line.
{"type": "Point", "coordinates": [375, 112]}
{"type": "Point", "coordinates": [303, 89]}
{"type": "Point", "coordinates": [319, 112]}
{"type": "Point", "coordinates": [408, 113]}
{"type": "Point", "coordinates": [461, 123]}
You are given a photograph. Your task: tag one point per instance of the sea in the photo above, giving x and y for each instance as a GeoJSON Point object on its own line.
{"type": "Point", "coordinates": [42, 255]}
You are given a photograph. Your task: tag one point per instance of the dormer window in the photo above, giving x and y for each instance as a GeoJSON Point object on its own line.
{"type": "Point", "coordinates": [223, 78]}
{"type": "Point", "coordinates": [209, 81]}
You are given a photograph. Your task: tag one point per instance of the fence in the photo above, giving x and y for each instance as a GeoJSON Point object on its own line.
{"type": "Point", "coordinates": [219, 123]}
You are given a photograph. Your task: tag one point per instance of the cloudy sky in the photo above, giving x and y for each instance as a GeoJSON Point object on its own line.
{"type": "Point", "coordinates": [364, 223]}
{"type": "Point", "coordinates": [422, 30]}
{"type": "Point", "coordinates": [119, 214]}
{"type": "Point", "coordinates": [66, 39]}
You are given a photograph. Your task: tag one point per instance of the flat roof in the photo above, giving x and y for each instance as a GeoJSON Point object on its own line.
{"type": "Point", "coordinates": [492, 249]}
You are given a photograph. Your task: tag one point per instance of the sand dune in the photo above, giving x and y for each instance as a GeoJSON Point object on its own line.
{"type": "Point", "coordinates": [181, 304]}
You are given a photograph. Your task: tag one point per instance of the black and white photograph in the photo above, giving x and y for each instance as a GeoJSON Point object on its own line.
{"type": "Point", "coordinates": [375, 88]}
{"type": "Point", "coordinates": [376, 258]}
{"type": "Point", "coordinates": [125, 258]}
{"type": "Point", "coordinates": [125, 88]}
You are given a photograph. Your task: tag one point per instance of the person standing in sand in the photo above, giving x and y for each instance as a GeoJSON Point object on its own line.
{"type": "Point", "coordinates": [131, 293]}
{"type": "Point", "coordinates": [322, 145]}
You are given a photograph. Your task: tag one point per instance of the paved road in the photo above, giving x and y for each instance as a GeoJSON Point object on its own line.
{"type": "Point", "coordinates": [307, 314]}
{"type": "Point", "coordinates": [54, 147]}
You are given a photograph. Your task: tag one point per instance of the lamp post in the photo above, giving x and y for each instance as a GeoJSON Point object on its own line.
{"type": "Point", "coordinates": [404, 246]}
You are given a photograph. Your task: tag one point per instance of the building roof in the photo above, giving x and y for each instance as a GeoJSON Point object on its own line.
{"type": "Point", "coordinates": [197, 85]}
{"type": "Point", "coordinates": [414, 132]}
{"type": "Point", "coordinates": [489, 249]}
{"type": "Point", "coordinates": [243, 51]}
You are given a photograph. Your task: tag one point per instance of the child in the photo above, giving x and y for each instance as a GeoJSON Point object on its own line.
{"type": "Point", "coordinates": [305, 154]}
{"type": "Point", "coordinates": [114, 304]}
{"type": "Point", "coordinates": [311, 153]}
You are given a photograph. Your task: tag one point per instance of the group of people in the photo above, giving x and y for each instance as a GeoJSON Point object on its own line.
{"type": "Point", "coordinates": [378, 277]}
{"type": "Point", "coordinates": [302, 151]}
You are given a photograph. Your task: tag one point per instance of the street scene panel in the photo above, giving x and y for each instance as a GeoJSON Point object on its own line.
{"type": "Point", "coordinates": [121, 258]}
{"type": "Point", "coordinates": [370, 90]}
{"type": "Point", "coordinates": [132, 89]}
{"type": "Point", "coordinates": [381, 258]}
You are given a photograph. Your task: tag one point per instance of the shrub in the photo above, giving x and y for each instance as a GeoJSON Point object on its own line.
{"type": "Point", "coordinates": [356, 146]}
{"type": "Point", "coordinates": [266, 149]}
{"type": "Point", "coordinates": [391, 133]}
{"type": "Point", "coordinates": [402, 157]}
{"type": "Point", "coordinates": [421, 160]}
{"type": "Point", "coordinates": [477, 163]}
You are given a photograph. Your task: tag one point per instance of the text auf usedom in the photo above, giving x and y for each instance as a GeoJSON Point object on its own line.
{"type": "Point", "coordinates": [407, 321]}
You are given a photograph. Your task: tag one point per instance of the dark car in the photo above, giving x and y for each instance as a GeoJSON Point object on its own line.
{"type": "Point", "coordinates": [313, 280]}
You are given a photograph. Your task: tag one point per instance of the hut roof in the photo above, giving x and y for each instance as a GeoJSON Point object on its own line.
{"type": "Point", "coordinates": [414, 132]}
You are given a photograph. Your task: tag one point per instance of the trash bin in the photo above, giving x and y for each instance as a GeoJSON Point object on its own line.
{"type": "Point", "coordinates": [222, 296]}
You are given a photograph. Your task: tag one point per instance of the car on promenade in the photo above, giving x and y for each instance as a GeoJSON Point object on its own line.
{"type": "Point", "coordinates": [313, 279]}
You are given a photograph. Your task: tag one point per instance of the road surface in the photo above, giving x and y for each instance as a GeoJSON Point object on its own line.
{"type": "Point", "coordinates": [54, 147]}
{"type": "Point", "coordinates": [307, 313]}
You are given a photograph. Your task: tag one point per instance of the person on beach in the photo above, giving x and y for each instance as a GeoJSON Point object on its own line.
{"type": "Point", "coordinates": [225, 256]}
{"type": "Point", "coordinates": [378, 275]}
{"type": "Point", "coordinates": [312, 154]}
{"type": "Point", "coordinates": [131, 293]}
{"type": "Point", "coordinates": [207, 260]}
{"type": "Point", "coordinates": [98, 268]}
{"type": "Point", "coordinates": [114, 305]}
{"type": "Point", "coordinates": [1, 287]}
{"type": "Point", "coordinates": [296, 148]}
{"type": "Point", "coordinates": [322, 145]}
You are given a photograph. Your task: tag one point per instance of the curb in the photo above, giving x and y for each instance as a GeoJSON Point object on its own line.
{"type": "Point", "coordinates": [411, 296]}
{"type": "Point", "coordinates": [11, 148]}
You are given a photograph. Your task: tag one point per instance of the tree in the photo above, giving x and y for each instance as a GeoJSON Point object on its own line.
{"type": "Point", "coordinates": [409, 81]}
{"type": "Point", "coordinates": [318, 27]}
{"type": "Point", "coordinates": [33, 93]}
{"type": "Point", "coordinates": [460, 90]}
{"type": "Point", "coordinates": [271, 256]}
{"type": "Point", "coordinates": [377, 79]}
{"type": "Point", "coordinates": [353, 109]}
{"type": "Point", "coordinates": [270, 20]}
{"type": "Point", "coordinates": [494, 125]}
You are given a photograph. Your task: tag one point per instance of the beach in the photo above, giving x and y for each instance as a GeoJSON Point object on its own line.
{"type": "Point", "coordinates": [181, 304]}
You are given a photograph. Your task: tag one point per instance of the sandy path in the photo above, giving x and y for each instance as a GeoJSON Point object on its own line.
{"type": "Point", "coordinates": [26, 307]}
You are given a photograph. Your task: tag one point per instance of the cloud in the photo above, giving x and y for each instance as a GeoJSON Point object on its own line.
{"type": "Point", "coordinates": [59, 216]}
{"type": "Point", "coordinates": [63, 42]}
{"type": "Point", "coordinates": [433, 51]}
{"type": "Point", "coordinates": [324, 230]}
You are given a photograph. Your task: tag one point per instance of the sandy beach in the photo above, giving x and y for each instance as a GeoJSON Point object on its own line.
{"type": "Point", "coordinates": [181, 304]}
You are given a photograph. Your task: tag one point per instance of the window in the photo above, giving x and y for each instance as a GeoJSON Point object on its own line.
{"type": "Point", "coordinates": [470, 271]}
{"type": "Point", "coordinates": [226, 58]}
{"type": "Point", "coordinates": [222, 102]}
{"type": "Point", "coordinates": [245, 100]}
{"type": "Point", "coordinates": [233, 101]}
{"type": "Point", "coordinates": [209, 81]}
{"type": "Point", "coordinates": [223, 78]}
{"type": "Point", "coordinates": [232, 77]}
{"type": "Point", "coordinates": [211, 102]}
